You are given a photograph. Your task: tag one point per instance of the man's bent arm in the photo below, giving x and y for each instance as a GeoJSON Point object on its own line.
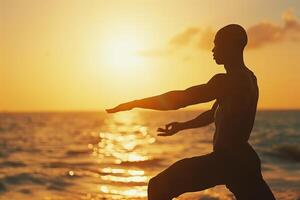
{"type": "Point", "coordinates": [203, 119]}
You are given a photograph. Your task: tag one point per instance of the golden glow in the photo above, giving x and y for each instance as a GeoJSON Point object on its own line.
{"type": "Point", "coordinates": [136, 172]}
{"type": "Point", "coordinates": [125, 119]}
{"type": "Point", "coordinates": [134, 157]}
{"type": "Point", "coordinates": [71, 173]}
{"type": "Point", "coordinates": [123, 171]}
{"type": "Point", "coordinates": [113, 171]}
{"type": "Point", "coordinates": [137, 179]}
{"type": "Point", "coordinates": [91, 56]}
{"type": "Point", "coordinates": [137, 191]}
{"type": "Point", "coordinates": [121, 53]}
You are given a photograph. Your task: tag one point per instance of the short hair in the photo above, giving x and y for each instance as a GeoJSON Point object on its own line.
{"type": "Point", "coordinates": [233, 34]}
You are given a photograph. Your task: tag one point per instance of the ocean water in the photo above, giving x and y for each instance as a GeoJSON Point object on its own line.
{"type": "Point", "coordinates": [93, 156]}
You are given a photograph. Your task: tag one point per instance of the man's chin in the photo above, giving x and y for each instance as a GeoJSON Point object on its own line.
{"type": "Point", "coordinates": [218, 62]}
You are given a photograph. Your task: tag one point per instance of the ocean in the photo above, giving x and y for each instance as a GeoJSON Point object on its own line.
{"type": "Point", "coordinates": [97, 156]}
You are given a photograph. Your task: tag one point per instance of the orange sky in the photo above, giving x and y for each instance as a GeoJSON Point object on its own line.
{"type": "Point", "coordinates": [91, 55]}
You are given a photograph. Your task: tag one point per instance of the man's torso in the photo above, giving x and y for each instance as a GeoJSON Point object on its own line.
{"type": "Point", "coordinates": [234, 117]}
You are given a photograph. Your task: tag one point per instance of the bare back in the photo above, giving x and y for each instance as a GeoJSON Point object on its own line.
{"type": "Point", "coordinates": [234, 117]}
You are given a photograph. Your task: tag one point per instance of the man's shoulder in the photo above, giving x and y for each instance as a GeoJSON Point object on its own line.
{"type": "Point", "coordinates": [220, 75]}
{"type": "Point", "coordinates": [219, 78]}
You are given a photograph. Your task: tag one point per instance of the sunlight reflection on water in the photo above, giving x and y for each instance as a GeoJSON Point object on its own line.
{"type": "Point", "coordinates": [137, 191]}
{"type": "Point", "coordinates": [123, 142]}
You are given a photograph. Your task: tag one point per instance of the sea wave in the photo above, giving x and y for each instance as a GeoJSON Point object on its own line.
{"type": "Point", "coordinates": [286, 151]}
{"type": "Point", "coordinates": [51, 183]}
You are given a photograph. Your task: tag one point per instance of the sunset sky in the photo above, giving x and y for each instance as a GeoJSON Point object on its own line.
{"type": "Point", "coordinates": [93, 54]}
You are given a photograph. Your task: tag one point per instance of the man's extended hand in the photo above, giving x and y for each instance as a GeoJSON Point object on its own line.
{"type": "Point", "coordinates": [121, 107]}
{"type": "Point", "coordinates": [170, 129]}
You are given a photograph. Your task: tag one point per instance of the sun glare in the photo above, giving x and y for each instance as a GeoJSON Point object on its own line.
{"type": "Point", "coordinates": [121, 53]}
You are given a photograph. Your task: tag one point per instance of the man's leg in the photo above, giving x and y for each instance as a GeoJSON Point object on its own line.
{"type": "Point", "coordinates": [187, 175]}
{"type": "Point", "coordinates": [245, 180]}
{"type": "Point", "coordinates": [252, 189]}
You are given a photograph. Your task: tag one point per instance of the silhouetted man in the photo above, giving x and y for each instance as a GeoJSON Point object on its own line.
{"type": "Point", "coordinates": [233, 161]}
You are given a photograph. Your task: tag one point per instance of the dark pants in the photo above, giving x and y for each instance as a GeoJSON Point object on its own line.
{"type": "Point", "coordinates": [239, 170]}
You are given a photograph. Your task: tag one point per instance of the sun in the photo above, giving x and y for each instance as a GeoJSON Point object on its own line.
{"type": "Point", "coordinates": [121, 52]}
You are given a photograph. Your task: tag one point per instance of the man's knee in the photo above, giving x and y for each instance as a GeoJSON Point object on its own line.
{"type": "Point", "coordinates": [155, 186]}
{"type": "Point", "coordinates": [255, 189]}
{"type": "Point", "coordinates": [153, 189]}
{"type": "Point", "coordinates": [158, 189]}
{"type": "Point", "coordinates": [152, 185]}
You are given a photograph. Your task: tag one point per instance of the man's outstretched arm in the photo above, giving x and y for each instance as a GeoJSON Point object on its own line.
{"type": "Point", "coordinates": [166, 101]}
{"type": "Point", "coordinates": [174, 100]}
{"type": "Point", "coordinates": [203, 119]}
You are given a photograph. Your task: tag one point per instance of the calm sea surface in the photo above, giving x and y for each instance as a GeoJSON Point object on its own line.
{"type": "Point", "coordinates": [93, 156]}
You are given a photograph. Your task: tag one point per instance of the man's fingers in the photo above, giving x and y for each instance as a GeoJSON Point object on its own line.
{"type": "Point", "coordinates": [115, 109]}
{"type": "Point", "coordinates": [110, 110]}
{"type": "Point", "coordinates": [167, 133]}
{"type": "Point", "coordinates": [164, 134]}
{"type": "Point", "coordinates": [161, 130]}
{"type": "Point", "coordinates": [168, 126]}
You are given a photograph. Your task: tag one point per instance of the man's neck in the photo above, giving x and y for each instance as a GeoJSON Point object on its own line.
{"type": "Point", "coordinates": [235, 66]}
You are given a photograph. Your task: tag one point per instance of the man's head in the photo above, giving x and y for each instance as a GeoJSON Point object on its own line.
{"type": "Point", "coordinates": [230, 42]}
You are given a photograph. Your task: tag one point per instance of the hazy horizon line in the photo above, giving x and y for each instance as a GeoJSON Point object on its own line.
{"type": "Point", "coordinates": [140, 110]}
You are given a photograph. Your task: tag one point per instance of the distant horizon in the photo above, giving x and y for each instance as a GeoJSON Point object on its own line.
{"type": "Point", "coordinates": [136, 110]}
